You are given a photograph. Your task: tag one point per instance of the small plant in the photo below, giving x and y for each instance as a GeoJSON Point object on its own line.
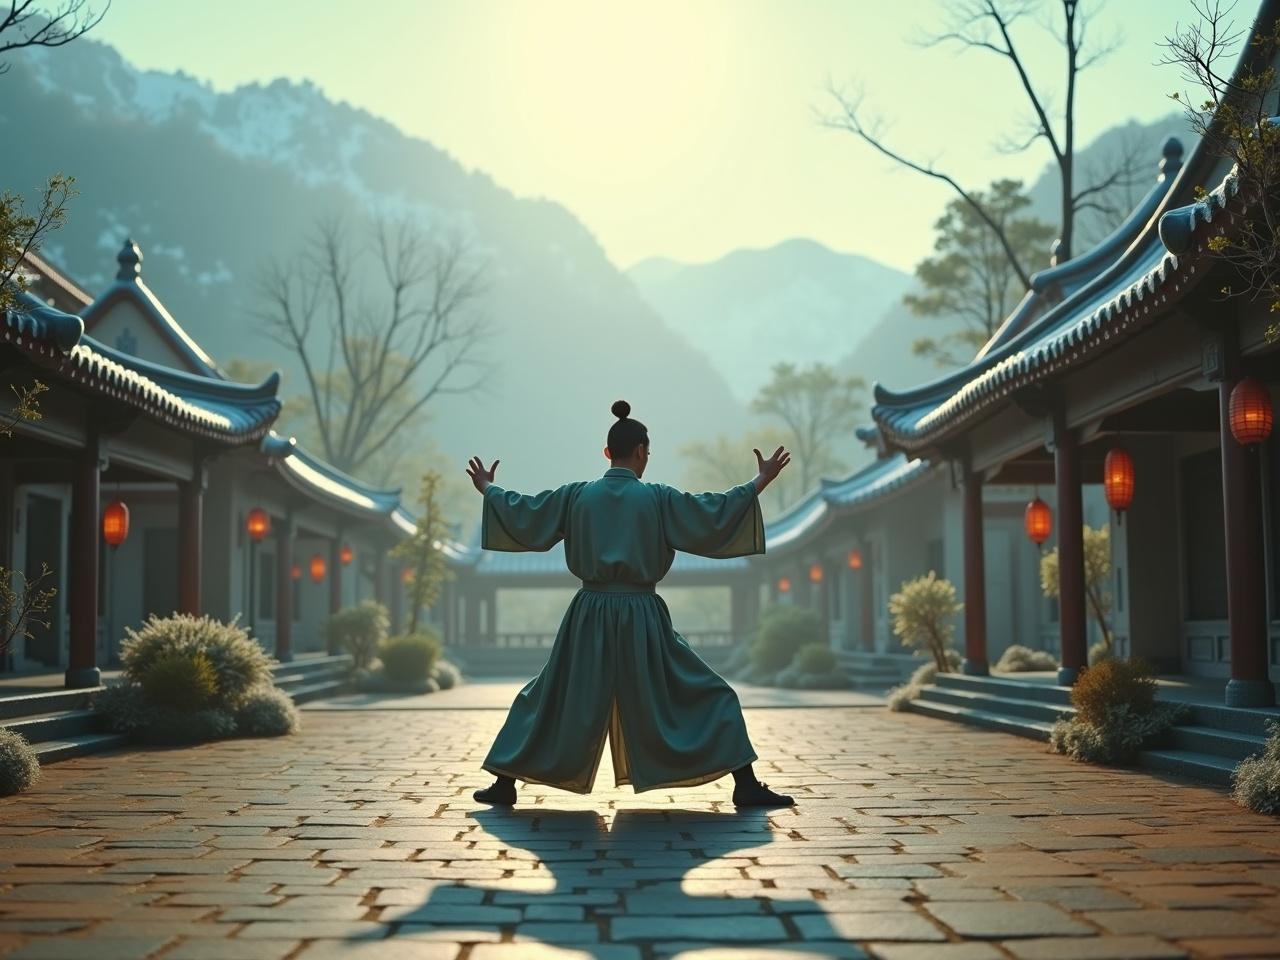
{"type": "Point", "coordinates": [21, 607]}
{"type": "Point", "coordinates": [1116, 714]}
{"type": "Point", "coordinates": [125, 707]}
{"type": "Point", "coordinates": [815, 658]}
{"type": "Point", "coordinates": [427, 569]}
{"type": "Point", "coordinates": [1256, 781]}
{"type": "Point", "coordinates": [360, 630]}
{"type": "Point", "coordinates": [1017, 659]}
{"type": "Point", "coordinates": [897, 698]}
{"type": "Point", "coordinates": [189, 726]}
{"type": "Point", "coordinates": [1097, 572]}
{"type": "Point", "coordinates": [446, 675]}
{"type": "Point", "coordinates": [238, 662]}
{"type": "Point", "coordinates": [407, 660]}
{"type": "Point", "coordinates": [1113, 683]}
{"type": "Point", "coordinates": [267, 712]}
{"type": "Point", "coordinates": [922, 612]}
{"type": "Point", "coordinates": [19, 767]}
{"type": "Point", "coordinates": [813, 668]}
{"type": "Point", "coordinates": [180, 681]}
{"type": "Point", "coordinates": [783, 630]}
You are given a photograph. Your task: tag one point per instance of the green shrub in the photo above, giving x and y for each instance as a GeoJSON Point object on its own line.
{"type": "Point", "coordinates": [1256, 781]}
{"type": "Point", "coordinates": [815, 658]}
{"type": "Point", "coordinates": [189, 726]}
{"type": "Point", "coordinates": [407, 661]}
{"type": "Point", "coordinates": [898, 697]}
{"type": "Point", "coordinates": [1100, 651]}
{"type": "Point", "coordinates": [19, 767]}
{"type": "Point", "coordinates": [180, 680]}
{"type": "Point", "coordinates": [238, 662]}
{"type": "Point", "coordinates": [922, 612]}
{"type": "Point", "coordinates": [1018, 658]}
{"type": "Point", "coordinates": [1117, 736]}
{"type": "Point", "coordinates": [125, 707]}
{"type": "Point", "coordinates": [1113, 683]}
{"type": "Point", "coordinates": [446, 675]}
{"type": "Point", "coordinates": [360, 630]}
{"type": "Point", "coordinates": [267, 712]}
{"type": "Point", "coordinates": [783, 630]}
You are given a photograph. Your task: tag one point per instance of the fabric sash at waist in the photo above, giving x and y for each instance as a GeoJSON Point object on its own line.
{"type": "Point", "coordinates": [617, 586]}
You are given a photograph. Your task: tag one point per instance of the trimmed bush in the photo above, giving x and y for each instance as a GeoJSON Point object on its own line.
{"type": "Point", "coordinates": [1117, 738]}
{"type": "Point", "coordinates": [180, 680]}
{"type": "Point", "coordinates": [1018, 658]}
{"type": "Point", "coordinates": [898, 697]}
{"type": "Point", "coordinates": [238, 662]}
{"type": "Point", "coordinates": [446, 675]}
{"type": "Point", "coordinates": [182, 727]}
{"type": "Point", "coordinates": [783, 630]}
{"type": "Point", "coordinates": [360, 630]}
{"type": "Point", "coordinates": [267, 712]}
{"type": "Point", "coordinates": [923, 611]}
{"type": "Point", "coordinates": [1113, 683]}
{"type": "Point", "coordinates": [1256, 781]}
{"type": "Point", "coordinates": [19, 767]}
{"type": "Point", "coordinates": [407, 661]}
{"type": "Point", "coordinates": [125, 707]}
{"type": "Point", "coordinates": [815, 658]}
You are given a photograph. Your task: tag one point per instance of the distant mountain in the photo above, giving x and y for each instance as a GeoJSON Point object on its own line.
{"type": "Point", "coordinates": [213, 185]}
{"type": "Point", "coordinates": [750, 309]}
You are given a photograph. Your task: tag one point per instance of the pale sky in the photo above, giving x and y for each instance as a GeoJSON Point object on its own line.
{"type": "Point", "coordinates": [680, 129]}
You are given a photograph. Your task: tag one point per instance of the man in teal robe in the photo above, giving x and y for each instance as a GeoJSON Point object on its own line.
{"type": "Point", "coordinates": [618, 667]}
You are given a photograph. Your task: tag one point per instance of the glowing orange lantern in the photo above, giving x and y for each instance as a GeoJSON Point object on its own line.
{"type": "Point", "coordinates": [784, 584]}
{"type": "Point", "coordinates": [1250, 412]}
{"type": "Point", "coordinates": [258, 523]}
{"type": "Point", "coordinates": [855, 560]}
{"type": "Point", "coordinates": [406, 576]}
{"type": "Point", "coordinates": [1038, 521]}
{"type": "Point", "coordinates": [296, 571]}
{"type": "Point", "coordinates": [346, 554]}
{"type": "Point", "coordinates": [1117, 478]}
{"type": "Point", "coordinates": [317, 567]}
{"type": "Point", "coordinates": [815, 573]}
{"type": "Point", "coordinates": [115, 523]}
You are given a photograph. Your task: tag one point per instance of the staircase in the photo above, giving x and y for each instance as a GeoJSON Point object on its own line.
{"type": "Point", "coordinates": [1206, 744]}
{"type": "Point", "coordinates": [61, 724]}
{"type": "Point", "coordinates": [876, 672]}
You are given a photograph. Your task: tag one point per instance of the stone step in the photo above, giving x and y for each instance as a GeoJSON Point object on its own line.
{"type": "Point", "coordinates": [1001, 687]}
{"type": "Point", "coordinates": [1236, 719]}
{"type": "Point", "coordinates": [307, 665]}
{"type": "Point", "coordinates": [1189, 763]}
{"type": "Point", "coordinates": [51, 751]}
{"type": "Point", "coordinates": [291, 681]}
{"type": "Point", "coordinates": [986, 719]}
{"type": "Point", "coordinates": [40, 704]}
{"type": "Point", "coordinates": [1014, 707]}
{"type": "Point", "coordinates": [318, 690]}
{"type": "Point", "coordinates": [1226, 744]}
{"type": "Point", "coordinates": [55, 726]}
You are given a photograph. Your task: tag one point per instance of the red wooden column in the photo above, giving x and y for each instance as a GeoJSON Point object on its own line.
{"type": "Point", "coordinates": [1249, 685]}
{"type": "Point", "coordinates": [285, 531]}
{"type": "Point", "coordinates": [82, 666]}
{"type": "Point", "coordinates": [335, 574]}
{"type": "Point", "coordinates": [1071, 598]}
{"type": "Point", "coordinates": [191, 541]}
{"type": "Point", "coordinates": [975, 586]}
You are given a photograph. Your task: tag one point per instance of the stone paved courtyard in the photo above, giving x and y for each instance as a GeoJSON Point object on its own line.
{"type": "Point", "coordinates": [358, 839]}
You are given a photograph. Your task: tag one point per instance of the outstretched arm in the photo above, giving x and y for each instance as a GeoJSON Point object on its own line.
{"type": "Point", "coordinates": [769, 469]}
{"type": "Point", "coordinates": [481, 478]}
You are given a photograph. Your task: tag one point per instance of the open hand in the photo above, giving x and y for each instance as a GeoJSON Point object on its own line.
{"type": "Point", "coordinates": [769, 469]}
{"type": "Point", "coordinates": [479, 475]}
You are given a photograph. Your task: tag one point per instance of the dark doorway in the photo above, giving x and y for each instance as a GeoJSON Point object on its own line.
{"type": "Point", "coordinates": [44, 548]}
{"type": "Point", "coordinates": [160, 572]}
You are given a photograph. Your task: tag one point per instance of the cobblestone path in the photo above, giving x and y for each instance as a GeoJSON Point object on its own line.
{"type": "Point", "coordinates": [358, 839]}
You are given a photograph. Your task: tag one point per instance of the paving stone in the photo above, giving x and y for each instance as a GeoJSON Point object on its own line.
{"type": "Point", "coordinates": [135, 948]}
{"type": "Point", "coordinates": [232, 950]}
{"type": "Point", "coordinates": [716, 929]}
{"type": "Point", "coordinates": [314, 929]}
{"type": "Point", "coordinates": [1232, 946]}
{"type": "Point", "coordinates": [989, 920]}
{"type": "Point", "coordinates": [934, 951]}
{"type": "Point", "coordinates": [394, 949]}
{"type": "Point", "coordinates": [867, 926]}
{"type": "Point", "coordinates": [557, 933]}
{"type": "Point", "coordinates": [1175, 924]}
{"type": "Point", "coordinates": [536, 951]}
{"type": "Point", "coordinates": [1094, 948]}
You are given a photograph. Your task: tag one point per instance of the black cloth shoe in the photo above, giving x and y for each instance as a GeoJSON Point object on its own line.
{"type": "Point", "coordinates": [500, 794]}
{"type": "Point", "coordinates": [759, 795]}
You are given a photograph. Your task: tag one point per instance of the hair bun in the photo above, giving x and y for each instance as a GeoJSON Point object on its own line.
{"type": "Point", "coordinates": [621, 409]}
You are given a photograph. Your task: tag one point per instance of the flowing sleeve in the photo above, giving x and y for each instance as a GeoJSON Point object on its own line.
{"type": "Point", "coordinates": [716, 525]}
{"type": "Point", "coordinates": [517, 522]}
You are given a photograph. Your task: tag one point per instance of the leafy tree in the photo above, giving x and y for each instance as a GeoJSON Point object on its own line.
{"type": "Point", "coordinates": [23, 606]}
{"type": "Point", "coordinates": [725, 462]}
{"type": "Point", "coordinates": [1097, 572]}
{"type": "Point", "coordinates": [816, 406]}
{"type": "Point", "coordinates": [969, 277]}
{"type": "Point", "coordinates": [22, 233]}
{"type": "Point", "coordinates": [922, 612]}
{"type": "Point", "coordinates": [422, 552]}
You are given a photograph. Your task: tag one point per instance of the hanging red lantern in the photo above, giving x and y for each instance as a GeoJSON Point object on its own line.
{"type": "Point", "coordinates": [815, 573]}
{"type": "Point", "coordinates": [855, 560]}
{"type": "Point", "coordinates": [258, 523]}
{"type": "Point", "coordinates": [296, 571]}
{"type": "Point", "coordinates": [784, 584]}
{"type": "Point", "coordinates": [406, 576]}
{"type": "Point", "coordinates": [115, 523]}
{"type": "Point", "coordinates": [346, 554]}
{"type": "Point", "coordinates": [317, 567]}
{"type": "Point", "coordinates": [1117, 478]}
{"type": "Point", "coordinates": [1038, 521]}
{"type": "Point", "coordinates": [1250, 412]}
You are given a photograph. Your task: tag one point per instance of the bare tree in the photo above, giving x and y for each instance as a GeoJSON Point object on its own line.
{"type": "Point", "coordinates": [988, 25]}
{"type": "Point", "coordinates": [374, 365]}
{"type": "Point", "coordinates": [29, 23]}
{"type": "Point", "coordinates": [1233, 115]}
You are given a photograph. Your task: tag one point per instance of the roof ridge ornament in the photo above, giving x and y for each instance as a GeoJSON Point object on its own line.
{"type": "Point", "coordinates": [1171, 157]}
{"type": "Point", "coordinates": [130, 260]}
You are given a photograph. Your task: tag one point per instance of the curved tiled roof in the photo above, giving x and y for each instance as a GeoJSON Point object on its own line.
{"type": "Point", "coordinates": [218, 409]}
